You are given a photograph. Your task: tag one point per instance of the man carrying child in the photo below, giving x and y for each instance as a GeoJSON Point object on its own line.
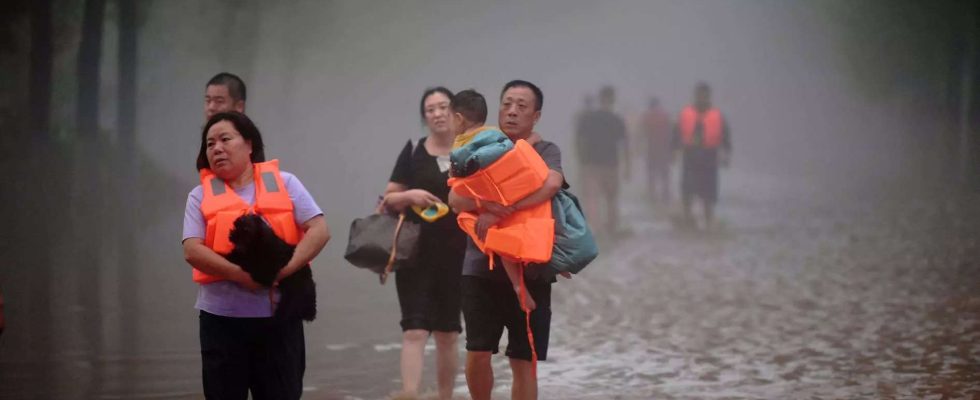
{"type": "Point", "coordinates": [488, 296]}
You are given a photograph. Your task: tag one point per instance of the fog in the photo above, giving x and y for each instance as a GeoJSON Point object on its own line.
{"type": "Point", "coordinates": [334, 87]}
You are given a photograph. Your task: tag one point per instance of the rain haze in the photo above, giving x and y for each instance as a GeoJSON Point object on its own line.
{"type": "Point", "coordinates": [843, 264]}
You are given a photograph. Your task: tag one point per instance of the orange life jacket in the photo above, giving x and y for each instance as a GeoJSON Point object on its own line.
{"type": "Point", "coordinates": [711, 121]}
{"type": "Point", "coordinates": [221, 207]}
{"type": "Point", "coordinates": [526, 235]}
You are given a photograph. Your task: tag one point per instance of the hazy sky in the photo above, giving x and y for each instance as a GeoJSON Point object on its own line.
{"type": "Point", "coordinates": [335, 86]}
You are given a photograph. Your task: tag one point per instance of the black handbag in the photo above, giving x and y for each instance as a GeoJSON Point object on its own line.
{"type": "Point", "coordinates": [382, 243]}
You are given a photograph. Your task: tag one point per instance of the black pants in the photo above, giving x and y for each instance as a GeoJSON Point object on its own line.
{"type": "Point", "coordinates": [263, 355]}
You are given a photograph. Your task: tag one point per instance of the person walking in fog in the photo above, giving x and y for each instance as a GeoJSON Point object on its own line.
{"type": "Point", "coordinates": [703, 138]}
{"type": "Point", "coordinates": [602, 146]}
{"type": "Point", "coordinates": [655, 128]}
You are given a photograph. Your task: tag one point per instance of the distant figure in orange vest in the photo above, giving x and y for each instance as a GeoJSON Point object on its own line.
{"type": "Point", "coordinates": [703, 137]}
{"type": "Point", "coordinates": [656, 130]}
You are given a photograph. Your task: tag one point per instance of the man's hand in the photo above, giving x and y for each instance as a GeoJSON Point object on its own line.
{"type": "Point", "coordinates": [484, 222]}
{"type": "Point", "coordinates": [566, 274]}
{"type": "Point", "coordinates": [498, 209]}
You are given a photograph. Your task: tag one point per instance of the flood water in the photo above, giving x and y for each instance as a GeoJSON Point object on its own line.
{"type": "Point", "coordinates": [801, 292]}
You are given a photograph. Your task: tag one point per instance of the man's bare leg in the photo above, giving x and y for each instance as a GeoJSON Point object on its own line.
{"type": "Point", "coordinates": [525, 383]}
{"type": "Point", "coordinates": [479, 374]}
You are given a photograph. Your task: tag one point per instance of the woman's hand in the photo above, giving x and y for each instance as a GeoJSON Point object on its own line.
{"type": "Point", "coordinates": [245, 280]}
{"type": "Point", "coordinates": [412, 197]}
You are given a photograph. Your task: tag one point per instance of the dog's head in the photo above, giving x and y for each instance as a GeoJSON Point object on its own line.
{"type": "Point", "coordinates": [247, 232]}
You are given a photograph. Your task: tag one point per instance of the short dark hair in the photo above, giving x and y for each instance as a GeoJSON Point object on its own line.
{"type": "Point", "coordinates": [243, 125]}
{"type": "Point", "coordinates": [538, 96]}
{"type": "Point", "coordinates": [702, 85]}
{"type": "Point", "coordinates": [471, 104]}
{"type": "Point", "coordinates": [429, 92]}
{"type": "Point", "coordinates": [235, 85]}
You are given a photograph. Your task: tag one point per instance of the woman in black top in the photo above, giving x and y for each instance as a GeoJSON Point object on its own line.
{"type": "Point", "coordinates": [429, 291]}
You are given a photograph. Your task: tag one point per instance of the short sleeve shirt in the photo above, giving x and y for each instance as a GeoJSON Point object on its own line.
{"type": "Point", "coordinates": [227, 298]}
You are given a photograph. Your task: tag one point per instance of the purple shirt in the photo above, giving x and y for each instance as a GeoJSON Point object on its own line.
{"type": "Point", "coordinates": [227, 298]}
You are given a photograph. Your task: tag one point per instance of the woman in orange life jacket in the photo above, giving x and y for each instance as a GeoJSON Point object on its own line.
{"type": "Point", "coordinates": [429, 291]}
{"type": "Point", "coordinates": [243, 347]}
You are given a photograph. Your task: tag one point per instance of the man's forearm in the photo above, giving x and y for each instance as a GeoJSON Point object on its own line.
{"type": "Point", "coordinates": [551, 186]}
{"type": "Point", "coordinates": [460, 203]}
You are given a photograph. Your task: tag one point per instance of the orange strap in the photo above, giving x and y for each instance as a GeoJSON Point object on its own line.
{"type": "Point", "coordinates": [527, 324]}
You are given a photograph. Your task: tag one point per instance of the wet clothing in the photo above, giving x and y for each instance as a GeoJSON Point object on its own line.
{"type": "Point", "coordinates": [490, 306]}
{"type": "Point", "coordinates": [599, 137]}
{"type": "Point", "coordinates": [699, 169]}
{"type": "Point", "coordinates": [429, 291]}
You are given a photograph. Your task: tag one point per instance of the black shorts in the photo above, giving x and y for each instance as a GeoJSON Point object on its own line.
{"type": "Point", "coordinates": [489, 306]}
{"type": "Point", "coordinates": [429, 292]}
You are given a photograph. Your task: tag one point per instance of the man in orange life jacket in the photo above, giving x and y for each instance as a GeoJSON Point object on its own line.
{"type": "Point", "coordinates": [703, 137]}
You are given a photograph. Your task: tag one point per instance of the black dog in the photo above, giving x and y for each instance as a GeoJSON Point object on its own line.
{"type": "Point", "coordinates": [262, 254]}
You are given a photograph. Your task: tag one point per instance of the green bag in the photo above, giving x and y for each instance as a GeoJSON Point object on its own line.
{"type": "Point", "coordinates": [575, 247]}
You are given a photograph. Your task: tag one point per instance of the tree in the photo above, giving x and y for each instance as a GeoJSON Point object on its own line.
{"type": "Point", "coordinates": [42, 54]}
{"type": "Point", "coordinates": [89, 61]}
{"type": "Point", "coordinates": [923, 53]}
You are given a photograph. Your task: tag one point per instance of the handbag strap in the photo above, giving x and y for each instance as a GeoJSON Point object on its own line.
{"type": "Point", "coordinates": [394, 249]}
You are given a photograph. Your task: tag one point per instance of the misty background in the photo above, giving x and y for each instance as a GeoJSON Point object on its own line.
{"type": "Point", "coordinates": [101, 109]}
